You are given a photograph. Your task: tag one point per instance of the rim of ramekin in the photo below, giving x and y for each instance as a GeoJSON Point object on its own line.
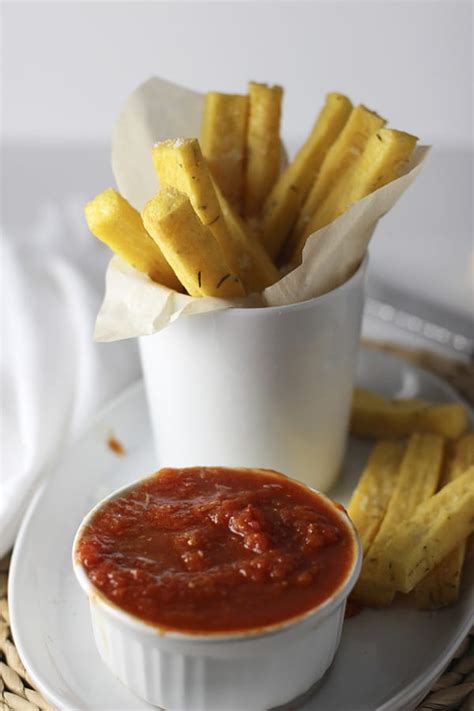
{"type": "Point", "coordinates": [320, 611]}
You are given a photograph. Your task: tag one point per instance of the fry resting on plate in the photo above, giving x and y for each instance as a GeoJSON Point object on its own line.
{"type": "Point", "coordinates": [374, 416]}
{"type": "Point", "coordinates": [417, 479]}
{"type": "Point", "coordinates": [414, 515]}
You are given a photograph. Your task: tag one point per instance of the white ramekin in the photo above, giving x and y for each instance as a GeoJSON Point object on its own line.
{"type": "Point", "coordinates": [258, 387]}
{"type": "Point", "coordinates": [252, 670]}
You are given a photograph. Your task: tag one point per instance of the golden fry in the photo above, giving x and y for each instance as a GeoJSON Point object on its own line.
{"type": "Point", "coordinates": [223, 141]}
{"type": "Point", "coordinates": [370, 499]}
{"type": "Point", "coordinates": [439, 525]}
{"type": "Point", "coordinates": [180, 165]}
{"type": "Point", "coordinates": [257, 270]}
{"type": "Point", "coordinates": [450, 420]}
{"type": "Point", "coordinates": [373, 416]}
{"type": "Point", "coordinates": [345, 150]}
{"type": "Point", "coordinates": [461, 457]}
{"type": "Point", "coordinates": [417, 481]}
{"type": "Point", "coordinates": [114, 221]}
{"type": "Point", "coordinates": [189, 246]}
{"type": "Point", "coordinates": [263, 145]}
{"type": "Point", "coordinates": [441, 587]}
{"type": "Point", "coordinates": [289, 192]}
{"type": "Point", "coordinates": [373, 591]}
{"type": "Point", "coordinates": [384, 158]}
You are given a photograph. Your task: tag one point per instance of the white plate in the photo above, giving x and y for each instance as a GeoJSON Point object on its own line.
{"type": "Point", "coordinates": [387, 659]}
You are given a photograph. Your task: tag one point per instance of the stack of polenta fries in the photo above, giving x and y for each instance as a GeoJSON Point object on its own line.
{"type": "Point", "coordinates": [414, 503]}
{"type": "Point", "coordinates": [225, 220]}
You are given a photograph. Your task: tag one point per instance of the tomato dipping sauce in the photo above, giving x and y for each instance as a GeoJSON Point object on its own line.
{"type": "Point", "coordinates": [210, 549]}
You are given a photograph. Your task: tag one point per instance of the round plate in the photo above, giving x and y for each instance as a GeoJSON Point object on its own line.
{"type": "Point", "coordinates": [387, 659]}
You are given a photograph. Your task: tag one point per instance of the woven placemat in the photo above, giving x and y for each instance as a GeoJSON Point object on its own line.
{"type": "Point", "coordinates": [453, 691]}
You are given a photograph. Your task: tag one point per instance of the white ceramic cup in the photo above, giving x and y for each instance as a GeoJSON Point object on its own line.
{"type": "Point", "coordinates": [264, 387]}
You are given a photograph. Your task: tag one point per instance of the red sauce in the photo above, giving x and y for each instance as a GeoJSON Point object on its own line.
{"type": "Point", "coordinates": [115, 446]}
{"type": "Point", "coordinates": [217, 550]}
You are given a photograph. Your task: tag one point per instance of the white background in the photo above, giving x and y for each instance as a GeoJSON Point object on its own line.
{"type": "Point", "coordinates": [67, 67]}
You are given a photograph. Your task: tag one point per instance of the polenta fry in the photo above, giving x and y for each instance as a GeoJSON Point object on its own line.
{"type": "Point", "coordinates": [223, 141]}
{"type": "Point", "coordinates": [439, 525]}
{"type": "Point", "coordinates": [180, 165]}
{"type": "Point", "coordinates": [373, 416]}
{"type": "Point", "coordinates": [257, 270]}
{"type": "Point", "coordinates": [417, 480]}
{"type": "Point", "coordinates": [289, 192]}
{"type": "Point", "coordinates": [370, 499]}
{"type": "Point", "coordinates": [263, 145]}
{"type": "Point", "coordinates": [450, 420]}
{"type": "Point", "coordinates": [114, 221]}
{"type": "Point", "coordinates": [345, 150]}
{"type": "Point", "coordinates": [462, 457]}
{"type": "Point", "coordinates": [384, 158]}
{"type": "Point", "coordinates": [189, 247]}
{"type": "Point", "coordinates": [441, 587]}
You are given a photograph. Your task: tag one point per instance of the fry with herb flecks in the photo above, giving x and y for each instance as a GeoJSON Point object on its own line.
{"type": "Point", "coordinates": [189, 247]}
{"type": "Point", "coordinates": [257, 270]}
{"type": "Point", "coordinates": [263, 145]}
{"type": "Point", "coordinates": [384, 159]}
{"type": "Point", "coordinates": [441, 587]}
{"type": "Point", "coordinates": [180, 165]}
{"type": "Point", "coordinates": [345, 150]}
{"type": "Point", "coordinates": [371, 497]}
{"type": "Point", "coordinates": [289, 192]}
{"type": "Point", "coordinates": [417, 481]}
{"type": "Point", "coordinates": [223, 141]}
{"type": "Point", "coordinates": [438, 526]}
{"type": "Point", "coordinates": [114, 221]}
{"type": "Point", "coordinates": [374, 416]}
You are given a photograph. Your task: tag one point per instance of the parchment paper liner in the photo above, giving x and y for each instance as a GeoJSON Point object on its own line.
{"type": "Point", "coordinates": [136, 306]}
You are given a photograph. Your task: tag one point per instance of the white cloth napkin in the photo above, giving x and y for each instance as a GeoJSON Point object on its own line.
{"type": "Point", "coordinates": [53, 376]}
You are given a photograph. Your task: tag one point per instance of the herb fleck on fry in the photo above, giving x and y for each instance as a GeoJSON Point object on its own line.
{"type": "Point", "coordinates": [221, 281]}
